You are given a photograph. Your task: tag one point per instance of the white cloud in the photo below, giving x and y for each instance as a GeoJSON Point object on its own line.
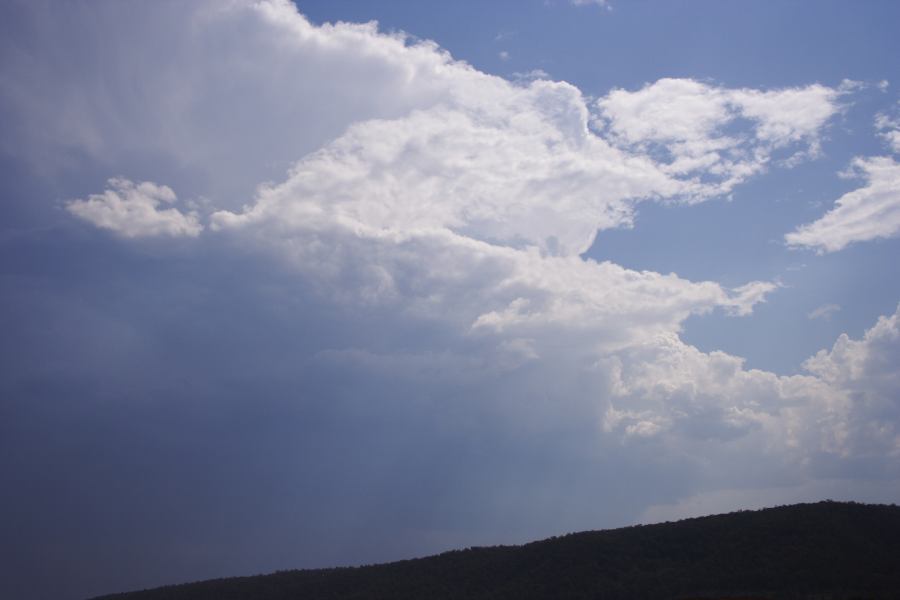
{"type": "Point", "coordinates": [889, 130]}
{"type": "Point", "coordinates": [601, 3]}
{"type": "Point", "coordinates": [530, 75]}
{"type": "Point", "coordinates": [866, 213]}
{"type": "Point", "coordinates": [691, 124]}
{"type": "Point", "coordinates": [517, 168]}
{"type": "Point", "coordinates": [503, 192]}
{"type": "Point", "coordinates": [788, 115]}
{"type": "Point", "coordinates": [824, 312]}
{"type": "Point", "coordinates": [677, 392]}
{"type": "Point", "coordinates": [133, 210]}
{"type": "Point", "coordinates": [481, 289]}
{"type": "Point", "coordinates": [846, 407]}
{"type": "Point", "coordinates": [866, 371]}
{"type": "Point", "coordinates": [745, 297]}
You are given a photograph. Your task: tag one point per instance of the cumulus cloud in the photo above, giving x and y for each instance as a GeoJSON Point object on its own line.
{"type": "Point", "coordinates": [470, 213]}
{"type": "Point", "coordinates": [502, 198]}
{"type": "Point", "coordinates": [663, 387]}
{"type": "Point", "coordinates": [692, 127]}
{"type": "Point", "coordinates": [844, 407]}
{"type": "Point", "coordinates": [865, 371]}
{"type": "Point", "coordinates": [520, 170]}
{"type": "Point", "coordinates": [133, 210]}
{"type": "Point", "coordinates": [866, 213]}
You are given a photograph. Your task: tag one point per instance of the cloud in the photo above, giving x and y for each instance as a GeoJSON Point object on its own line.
{"type": "Point", "coordinates": [177, 92]}
{"type": "Point", "coordinates": [865, 370]}
{"type": "Point", "coordinates": [866, 213]}
{"type": "Point", "coordinates": [392, 290]}
{"type": "Point", "coordinates": [824, 312]}
{"type": "Point", "coordinates": [745, 297]}
{"type": "Point", "coordinates": [133, 210]}
{"type": "Point", "coordinates": [502, 193]}
{"type": "Point", "coordinates": [889, 130]}
{"type": "Point", "coordinates": [517, 168]}
{"type": "Point", "coordinates": [530, 75]}
{"type": "Point", "coordinates": [843, 409]}
{"type": "Point", "coordinates": [691, 126]}
{"type": "Point", "coordinates": [601, 3]}
{"type": "Point", "coordinates": [470, 214]}
{"type": "Point", "coordinates": [534, 173]}
{"type": "Point", "coordinates": [665, 388]}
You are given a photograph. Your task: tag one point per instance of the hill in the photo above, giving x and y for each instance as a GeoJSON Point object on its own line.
{"type": "Point", "coordinates": [828, 550]}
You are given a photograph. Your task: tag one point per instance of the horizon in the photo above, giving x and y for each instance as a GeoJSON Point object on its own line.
{"type": "Point", "coordinates": [297, 284]}
{"type": "Point", "coordinates": [748, 530]}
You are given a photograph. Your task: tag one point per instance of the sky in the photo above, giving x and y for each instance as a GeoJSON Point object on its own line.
{"type": "Point", "coordinates": [335, 283]}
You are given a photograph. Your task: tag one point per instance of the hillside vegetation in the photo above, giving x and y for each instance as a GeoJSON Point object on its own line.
{"type": "Point", "coordinates": [828, 550]}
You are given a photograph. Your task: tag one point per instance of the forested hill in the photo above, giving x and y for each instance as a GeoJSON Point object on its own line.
{"type": "Point", "coordinates": [828, 550]}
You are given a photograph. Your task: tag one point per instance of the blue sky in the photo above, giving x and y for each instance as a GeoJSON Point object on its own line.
{"type": "Point", "coordinates": [282, 289]}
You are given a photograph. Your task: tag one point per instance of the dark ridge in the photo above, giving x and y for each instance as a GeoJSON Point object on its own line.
{"type": "Point", "coordinates": [823, 551]}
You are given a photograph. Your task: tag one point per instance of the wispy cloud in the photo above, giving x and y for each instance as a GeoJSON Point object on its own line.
{"type": "Point", "coordinates": [824, 312]}
{"type": "Point", "coordinates": [888, 127]}
{"type": "Point", "coordinates": [866, 213]}
{"type": "Point", "coordinates": [601, 3]}
{"type": "Point", "coordinates": [530, 75]}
